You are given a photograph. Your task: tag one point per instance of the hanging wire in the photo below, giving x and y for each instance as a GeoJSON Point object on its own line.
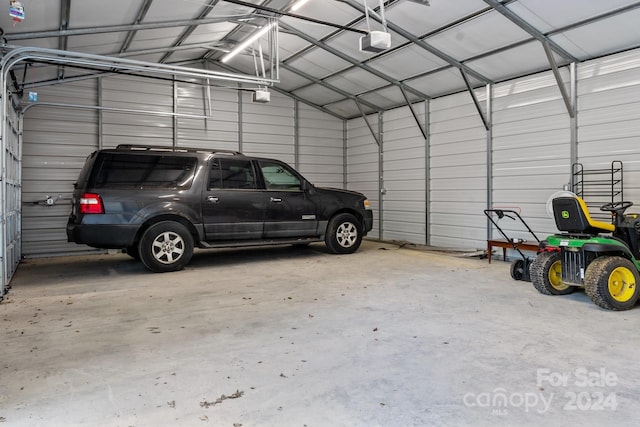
{"type": "Point", "coordinates": [383, 19]}
{"type": "Point", "coordinates": [366, 14]}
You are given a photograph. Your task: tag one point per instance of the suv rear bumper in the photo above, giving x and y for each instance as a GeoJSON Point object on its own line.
{"type": "Point", "coordinates": [105, 236]}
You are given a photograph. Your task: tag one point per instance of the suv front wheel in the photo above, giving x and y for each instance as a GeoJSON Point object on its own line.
{"type": "Point", "coordinates": [166, 246]}
{"type": "Point", "coordinates": [343, 234]}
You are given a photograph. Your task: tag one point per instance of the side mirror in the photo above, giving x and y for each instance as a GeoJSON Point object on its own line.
{"type": "Point", "coordinates": [307, 187]}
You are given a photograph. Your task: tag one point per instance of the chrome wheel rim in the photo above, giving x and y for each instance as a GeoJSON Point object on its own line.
{"type": "Point", "coordinates": [347, 234]}
{"type": "Point", "coordinates": [168, 247]}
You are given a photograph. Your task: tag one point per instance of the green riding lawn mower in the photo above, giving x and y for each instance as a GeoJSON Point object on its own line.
{"type": "Point", "coordinates": [598, 256]}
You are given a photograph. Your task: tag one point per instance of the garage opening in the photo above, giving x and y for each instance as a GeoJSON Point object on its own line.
{"type": "Point", "coordinates": [90, 114]}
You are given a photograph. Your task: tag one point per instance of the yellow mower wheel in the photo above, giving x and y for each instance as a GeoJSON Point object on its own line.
{"type": "Point", "coordinates": [546, 274]}
{"type": "Point", "coordinates": [612, 283]}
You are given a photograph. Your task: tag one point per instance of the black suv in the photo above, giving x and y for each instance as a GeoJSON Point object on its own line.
{"type": "Point", "coordinates": [157, 204]}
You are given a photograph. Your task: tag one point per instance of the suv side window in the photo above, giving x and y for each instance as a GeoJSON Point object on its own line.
{"type": "Point", "coordinates": [143, 171]}
{"type": "Point", "coordinates": [279, 177]}
{"type": "Point", "coordinates": [231, 173]}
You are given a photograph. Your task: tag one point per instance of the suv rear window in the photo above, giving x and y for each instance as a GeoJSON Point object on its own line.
{"type": "Point", "coordinates": [142, 171]}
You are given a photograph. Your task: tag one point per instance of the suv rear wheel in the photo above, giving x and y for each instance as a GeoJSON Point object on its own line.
{"type": "Point", "coordinates": [343, 234]}
{"type": "Point", "coordinates": [166, 246]}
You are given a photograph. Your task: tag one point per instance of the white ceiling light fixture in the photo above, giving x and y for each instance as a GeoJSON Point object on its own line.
{"type": "Point", "coordinates": [298, 5]}
{"type": "Point", "coordinates": [242, 46]}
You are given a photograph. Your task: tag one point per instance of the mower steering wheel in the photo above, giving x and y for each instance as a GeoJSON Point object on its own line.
{"type": "Point", "coordinates": [617, 207]}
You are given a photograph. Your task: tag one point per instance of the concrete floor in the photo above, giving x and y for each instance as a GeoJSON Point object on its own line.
{"type": "Point", "coordinates": [297, 337]}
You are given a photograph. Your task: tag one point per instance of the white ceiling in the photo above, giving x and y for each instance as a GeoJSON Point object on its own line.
{"type": "Point", "coordinates": [320, 61]}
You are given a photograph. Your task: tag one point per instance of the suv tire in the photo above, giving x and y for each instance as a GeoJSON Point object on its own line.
{"type": "Point", "coordinates": [133, 252]}
{"type": "Point", "coordinates": [166, 246]}
{"type": "Point", "coordinates": [343, 234]}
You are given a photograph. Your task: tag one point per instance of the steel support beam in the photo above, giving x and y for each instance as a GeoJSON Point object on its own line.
{"type": "Point", "coordinates": [351, 60]}
{"type": "Point", "coordinates": [422, 44]}
{"type": "Point", "coordinates": [427, 173]}
{"type": "Point", "coordinates": [131, 34]}
{"type": "Point", "coordinates": [206, 10]}
{"type": "Point", "coordinates": [366, 120]}
{"type": "Point", "coordinates": [119, 28]}
{"type": "Point", "coordinates": [510, 15]}
{"type": "Point", "coordinates": [573, 151]}
{"type": "Point", "coordinates": [352, 23]}
{"type": "Point", "coordinates": [381, 187]}
{"type": "Point", "coordinates": [331, 87]}
{"type": "Point", "coordinates": [289, 94]}
{"type": "Point", "coordinates": [413, 112]}
{"type": "Point", "coordinates": [485, 122]}
{"type": "Point", "coordinates": [280, 13]}
{"type": "Point", "coordinates": [489, 158]}
{"type": "Point", "coordinates": [559, 81]}
{"type": "Point", "coordinates": [65, 11]}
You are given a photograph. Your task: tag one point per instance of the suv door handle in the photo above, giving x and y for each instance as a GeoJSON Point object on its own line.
{"type": "Point", "coordinates": [212, 199]}
{"type": "Point", "coordinates": [276, 200]}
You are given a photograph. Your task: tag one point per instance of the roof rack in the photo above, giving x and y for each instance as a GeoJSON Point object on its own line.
{"type": "Point", "coordinates": [138, 147]}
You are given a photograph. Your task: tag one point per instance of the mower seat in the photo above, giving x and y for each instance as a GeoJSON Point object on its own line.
{"type": "Point", "coordinates": [571, 215]}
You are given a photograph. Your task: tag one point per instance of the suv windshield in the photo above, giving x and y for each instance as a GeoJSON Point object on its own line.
{"type": "Point", "coordinates": [143, 171]}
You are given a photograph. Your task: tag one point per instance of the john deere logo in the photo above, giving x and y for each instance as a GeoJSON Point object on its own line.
{"type": "Point", "coordinates": [565, 214]}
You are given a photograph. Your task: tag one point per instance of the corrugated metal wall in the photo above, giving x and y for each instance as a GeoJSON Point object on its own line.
{"type": "Point", "coordinates": [268, 129]}
{"type": "Point", "coordinates": [404, 165]}
{"type": "Point", "coordinates": [214, 122]}
{"type": "Point", "coordinates": [57, 140]}
{"type": "Point", "coordinates": [458, 184]}
{"type": "Point", "coordinates": [609, 117]}
{"type": "Point", "coordinates": [363, 165]}
{"type": "Point", "coordinates": [531, 146]}
{"type": "Point", "coordinates": [127, 127]}
{"type": "Point", "coordinates": [320, 147]}
{"type": "Point", "coordinates": [531, 150]}
{"type": "Point", "coordinates": [10, 233]}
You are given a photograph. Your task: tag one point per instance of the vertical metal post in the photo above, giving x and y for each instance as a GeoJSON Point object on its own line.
{"type": "Point", "coordinates": [574, 120]}
{"type": "Point", "coordinates": [240, 127]}
{"type": "Point", "coordinates": [175, 112]}
{"type": "Point", "coordinates": [345, 161]}
{"type": "Point", "coordinates": [3, 182]}
{"type": "Point", "coordinates": [19, 190]}
{"type": "Point", "coordinates": [381, 190]}
{"type": "Point", "coordinates": [427, 174]}
{"type": "Point", "coordinates": [296, 133]}
{"type": "Point", "coordinates": [489, 102]}
{"type": "Point", "coordinates": [100, 116]}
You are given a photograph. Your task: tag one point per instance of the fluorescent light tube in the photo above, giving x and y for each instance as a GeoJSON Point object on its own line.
{"type": "Point", "coordinates": [298, 5]}
{"type": "Point", "coordinates": [247, 42]}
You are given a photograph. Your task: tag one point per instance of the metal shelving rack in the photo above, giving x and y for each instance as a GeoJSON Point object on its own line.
{"type": "Point", "coordinates": [598, 186]}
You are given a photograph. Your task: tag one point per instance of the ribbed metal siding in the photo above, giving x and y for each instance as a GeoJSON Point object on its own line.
{"type": "Point", "coordinates": [531, 149]}
{"type": "Point", "coordinates": [320, 147]}
{"type": "Point", "coordinates": [458, 188]}
{"type": "Point", "coordinates": [11, 186]}
{"type": "Point", "coordinates": [135, 93]}
{"type": "Point", "coordinates": [363, 165]}
{"type": "Point", "coordinates": [609, 117]}
{"type": "Point", "coordinates": [404, 176]}
{"type": "Point", "coordinates": [215, 117]}
{"type": "Point", "coordinates": [56, 142]}
{"type": "Point", "coordinates": [268, 129]}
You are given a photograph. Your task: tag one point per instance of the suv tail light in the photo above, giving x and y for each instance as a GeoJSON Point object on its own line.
{"type": "Point", "coordinates": [91, 203]}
